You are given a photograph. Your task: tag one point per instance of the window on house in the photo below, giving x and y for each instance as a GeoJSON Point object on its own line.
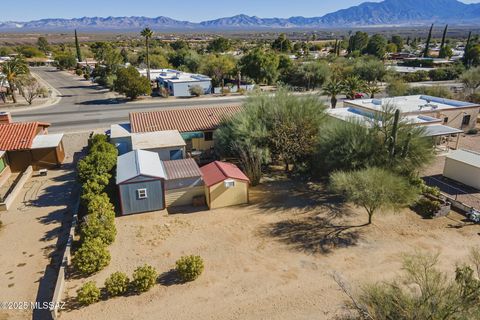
{"type": "Point", "coordinates": [445, 120]}
{"type": "Point", "coordinates": [230, 183]}
{"type": "Point", "coordinates": [466, 120]}
{"type": "Point", "coordinates": [142, 193]}
{"type": "Point", "coordinates": [208, 136]}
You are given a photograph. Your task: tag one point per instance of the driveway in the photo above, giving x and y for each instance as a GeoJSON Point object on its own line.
{"type": "Point", "coordinates": [33, 232]}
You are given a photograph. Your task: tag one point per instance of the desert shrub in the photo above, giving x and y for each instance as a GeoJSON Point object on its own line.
{"type": "Point", "coordinates": [78, 72]}
{"type": "Point", "coordinates": [241, 91]}
{"type": "Point", "coordinates": [426, 207]}
{"type": "Point", "coordinates": [144, 278]}
{"type": "Point", "coordinates": [97, 138]}
{"type": "Point", "coordinates": [196, 91]}
{"type": "Point", "coordinates": [472, 131]}
{"type": "Point", "coordinates": [91, 257]}
{"type": "Point", "coordinates": [96, 163]}
{"type": "Point", "coordinates": [117, 283]}
{"type": "Point", "coordinates": [103, 147]}
{"type": "Point", "coordinates": [88, 293]}
{"type": "Point", "coordinates": [189, 268]}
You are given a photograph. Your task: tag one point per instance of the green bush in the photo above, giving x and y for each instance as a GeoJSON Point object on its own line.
{"type": "Point", "coordinates": [196, 91]}
{"type": "Point", "coordinates": [97, 138]}
{"type": "Point", "coordinates": [78, 72]}
{"type": "Point", "coordinates": [130, 83]}
{"type": "Point", "coordinates": [103, 147]}
{"type": "Point", "coordinates": [426, 207]}
{"type": "Point", "coordinates": [95, 185]}
{"type": "Point", "coordinates": [472, 131]}
{"type": "Point", "coordinates": [95, 164]}
{"type": "Point", "coordinates": [91, 257]}
{"type": "Point", "coordinates": [144, 278]}
{"type": "Point", "coordinates": [99, 225]}
{"type": "Point", "coordinates": [189, 268]}
{"type": "Point", "coordinates": [117, 284]}
{"type": "Point", "coordinates": [88, 293]}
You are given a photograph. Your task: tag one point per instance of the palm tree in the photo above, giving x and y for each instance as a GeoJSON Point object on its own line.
{"type": "Point", "coordinates": [333, 88]}
{"type": "Point", "coordinates": [372, 88]}
{"type": "Point", "coordinates": [147, 33]}
{"type": "Point", "coordinates": [11, 69]}
{"type": "Point", "coordinates": [353, 85]}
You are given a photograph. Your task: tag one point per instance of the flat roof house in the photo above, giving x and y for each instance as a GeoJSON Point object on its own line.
{"type": "Point", "coordinates": [178, 83]}
{"type": "Point", "coordinates": [196, 125]}
{"type": "Point", "coordinates": [225, 185]}
{"type": "Point", "coordinates": [168, 144]}
{"type": "Point", "coordinates": [28, 143]}
{"type": "Point", "coordinates": [453, 113]}
{"type": "Point", "coordinates": [140, 180]}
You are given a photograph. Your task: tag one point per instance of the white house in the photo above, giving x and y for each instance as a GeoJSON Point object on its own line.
{"type": "Point", "coordinates": [178, 83]}
{"type": "Point", "coordinates": [453, 113]}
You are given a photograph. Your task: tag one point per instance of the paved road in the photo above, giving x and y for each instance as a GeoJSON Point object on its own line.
{"type": "Point", "coordinates": [85, 106]}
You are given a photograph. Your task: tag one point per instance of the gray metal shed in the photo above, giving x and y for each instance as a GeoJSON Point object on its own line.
{"type": "Point", "coordinates": [184, 182]}
{"type": "Point", "coordinates": [140, 180]}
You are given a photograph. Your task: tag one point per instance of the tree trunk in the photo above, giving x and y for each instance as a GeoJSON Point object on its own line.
{"type": "Point", "coordinates": [12, 92]}
{"type": "Point", "coordinates": [370, 215]}
{"type": "Point", "coordinates": [334, 102]}
{"type": "Point", "coordinates": [148, 59]}
{"type": "Point", "coordinates": [287, 167]}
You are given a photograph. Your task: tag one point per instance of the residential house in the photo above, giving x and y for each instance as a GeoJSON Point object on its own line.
{"type": "Point", "coordinates": [140, 180]}
{"type": "Point", "coordinates": [225, 185]}
{"type": "Point", "coordinates": [178, 83]}
{"type": "Point", "coordinates": [28, 143]}
{"type": "Point", "coordinates": [196, 125]}
{"type": "Point", "coordinates": [453, 113]}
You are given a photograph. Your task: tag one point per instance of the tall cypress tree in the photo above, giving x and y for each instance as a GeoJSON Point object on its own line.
{"type": "Point", "coordinates": [442, 45]}
{"type": "Point", "coordinates": [427, 44]}
{"type": "Point", "coordinates": [466, 56]}
{"type": "Point", "coordinates": [77, 45]}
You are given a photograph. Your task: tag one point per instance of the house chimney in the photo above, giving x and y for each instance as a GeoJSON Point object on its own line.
{"type": "Point", "coordinates": [5, 118]}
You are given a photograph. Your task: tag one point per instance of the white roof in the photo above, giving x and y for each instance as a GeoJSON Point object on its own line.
{"type": "Point", "coordinates": [440, 130]}
{"type": "Point", "coordinates": [139, 163]}
{"type": "Point", "coordinates": [2, 153]}
{"type": "Point", "coordinates": [411, 104]}
{"type": "Point", "coordinates": [403, 69]}
{"type": "Point", "coordinates": [350, 113]}
{"type": "Point", "coordinates": [466, 156]}
{"type": "Point", "coordinates": [47, 141]}
{"type": "Point", "coordinates": [120, 130]}
{"type": "Point", "coordinates": [157, 140]}
{"type": "Point", "coordinates": [171, 75]}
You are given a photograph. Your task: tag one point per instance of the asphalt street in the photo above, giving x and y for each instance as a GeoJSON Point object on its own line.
{"type": "Point", "coordinates": [85, 106]}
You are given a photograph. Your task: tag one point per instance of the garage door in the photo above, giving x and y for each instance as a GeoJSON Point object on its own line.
{"type": "Point", "coordinates": [183, 197]}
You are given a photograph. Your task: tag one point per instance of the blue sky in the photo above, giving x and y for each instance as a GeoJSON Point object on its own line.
{"type": "Point", "coordinates": [192, 10]}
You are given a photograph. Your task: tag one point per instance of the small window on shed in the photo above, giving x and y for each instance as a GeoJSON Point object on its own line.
{"type": "Point", "coordinates": [466, 120]}
{"type": "Point", "coordinates": [208, 136]}
{"type": "Point", "coordinates": [142, 193]}
{"type": "Point", "coordinates": [445, 120]}
{"type": "Point", "coordinates": [229, 183]}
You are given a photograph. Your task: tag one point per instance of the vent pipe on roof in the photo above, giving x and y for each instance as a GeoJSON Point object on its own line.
{"type": "Point", "coordinates": [5, 118]}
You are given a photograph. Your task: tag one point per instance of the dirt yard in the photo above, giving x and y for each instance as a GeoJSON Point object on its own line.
{"type": "Point", "coordinates": [32, 231]}
{"type": "Point", "coordinates": [272, 259]}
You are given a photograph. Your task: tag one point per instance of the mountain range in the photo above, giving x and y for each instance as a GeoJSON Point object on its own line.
{"type": "Point", "coordinates": [386, 13]}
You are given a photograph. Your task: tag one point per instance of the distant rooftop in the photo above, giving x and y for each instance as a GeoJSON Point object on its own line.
{"type": "Point", "coordinates": [172, 75]}
{"type": "Point", "coordinates": [411, 104]}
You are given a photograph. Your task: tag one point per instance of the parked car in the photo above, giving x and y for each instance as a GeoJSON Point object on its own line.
{"type": "Point", "coordinates": [474, 215]}
{"type": "Point", "coordinates": [359, 95]}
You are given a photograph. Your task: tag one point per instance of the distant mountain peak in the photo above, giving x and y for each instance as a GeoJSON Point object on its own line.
{"type": "Point", "coordinates": [387, 12]}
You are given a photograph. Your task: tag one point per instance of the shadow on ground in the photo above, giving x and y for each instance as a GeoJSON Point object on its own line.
{"type": "Point", "coordinates": [321, 223]}
{"type": "Point", "coordinates": [98, 102]}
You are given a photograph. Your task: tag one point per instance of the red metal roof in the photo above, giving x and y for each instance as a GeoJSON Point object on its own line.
{"type": "Point", "coordinates": [183, 120]}
{"type": "Point", "coordinates": [18, 135]}
{"type": "Point", "coordinates": [217, 171]}
{"type": "Point", "coordinates": [183, 168]}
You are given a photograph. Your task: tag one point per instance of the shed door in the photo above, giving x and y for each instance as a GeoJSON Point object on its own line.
{"type": "Point", "coordinates": [176, 154]}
